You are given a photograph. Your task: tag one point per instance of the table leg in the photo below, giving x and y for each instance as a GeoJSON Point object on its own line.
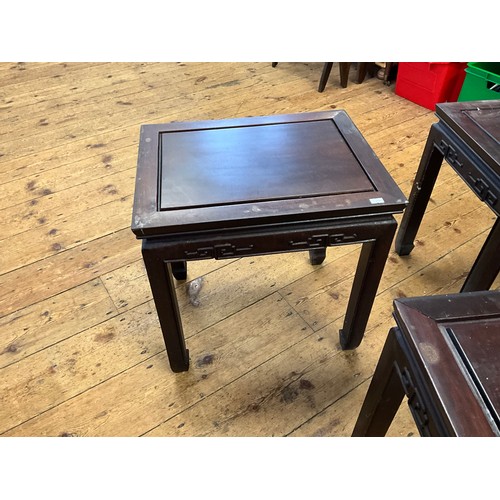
{"type": "Point", "coordinates": [384, 395]}
{"type": "Point", "coordinates": [179, 270]}
{"type": "Point", "coordinates": [165, 298]}
{"type": "Point", "coordinates": [366, 281]}
{"type": "Point", "coordinates": [423, 185]}
{"type": "Point", "coordinates": [487, 264]}
{"type": "Point", "coordinates": [317, 256]}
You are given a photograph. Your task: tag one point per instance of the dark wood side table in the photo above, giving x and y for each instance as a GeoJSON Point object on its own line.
{"type": "Point", "coordinates": [467, 136]}
{"type": "Point", "coordinates": [444, 355]}
{"type": "Point", "coordinates": [260, 185]}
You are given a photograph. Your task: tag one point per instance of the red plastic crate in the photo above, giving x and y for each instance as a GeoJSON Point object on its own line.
{"type": "Point", "coordinates": [428, 83]}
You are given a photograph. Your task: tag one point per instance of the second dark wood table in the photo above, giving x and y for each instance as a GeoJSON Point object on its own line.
{"type": "Point", "coordinates": [467, 136]}
{"type": "Point", "coordinates": [261, 185]}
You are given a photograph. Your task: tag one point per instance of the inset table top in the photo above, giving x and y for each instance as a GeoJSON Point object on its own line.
{"type": "Point", "coordinates": [477, 123]}
{"type": "Point", "coordinates": [214, 167]}
{"type": "Point", "coordinates": [211, 175]}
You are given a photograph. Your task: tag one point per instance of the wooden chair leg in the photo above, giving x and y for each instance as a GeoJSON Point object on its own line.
{"type": "Point", "coordinates": [327, 68]}
{"type": "Point", "coordinates": [344, 73]}
{"type": "Point", "coordinates": [387, 72]}
{"type": "Point", "coordinates": [362, 69]}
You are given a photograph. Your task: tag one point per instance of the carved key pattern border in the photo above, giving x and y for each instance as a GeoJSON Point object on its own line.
{"type": "Point", "coordinates": [323, 240]}
{"type": "Point", "coordinates": [219, 251]}
{"type": "Point", "coordinates": [478, 183]}
{"type": "Point", "coordinates": [450, 154]}
{"type": "Point", "coordinates": [415, 401]}
{"type": "Point", "coordinates": [233, 250]}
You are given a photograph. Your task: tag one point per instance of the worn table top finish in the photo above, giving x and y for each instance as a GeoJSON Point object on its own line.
{"type": "Point", "coordinates": [444, 355]}
{"type": "Point", "coordinates": [456, 342]}
{"type": "Point", "coordinates": [214, 175]}
{"type": "Point", "coordinates": [478, 124]}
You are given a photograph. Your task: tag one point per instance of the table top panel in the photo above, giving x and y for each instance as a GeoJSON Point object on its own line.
{"type": "Point", "coordinates": [477, 123]}
{"type": "Point", "coordinates": [478, 344]}
{"type": "Point", "coordinates": [250, 164]}
{"type": "Point", "coordinates": [488, 120]}
{"type": "Point", "coordinates": [222, 174]}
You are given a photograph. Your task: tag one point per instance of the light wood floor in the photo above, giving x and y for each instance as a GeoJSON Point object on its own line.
{"type": "Point", "coordinates": [81, 353]}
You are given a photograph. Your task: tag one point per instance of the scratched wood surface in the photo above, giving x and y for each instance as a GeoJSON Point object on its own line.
{"type": "Point", "coordinates": [81, 352]}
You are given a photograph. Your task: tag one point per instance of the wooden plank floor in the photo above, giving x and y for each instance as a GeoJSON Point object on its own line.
{"type": "Point", "coordinates": [81, 353]}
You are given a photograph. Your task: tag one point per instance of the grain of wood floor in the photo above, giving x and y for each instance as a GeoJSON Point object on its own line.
{"type": "Point", "coordinates": [81, 353]}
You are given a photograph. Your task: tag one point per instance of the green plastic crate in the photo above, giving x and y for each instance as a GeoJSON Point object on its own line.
{"type": "Point", "coordinates": [482, 82]}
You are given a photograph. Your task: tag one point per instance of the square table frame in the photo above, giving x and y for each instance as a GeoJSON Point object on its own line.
{"type": "Point", "coordinates": [173, 237]}
{"type": "Point", "coordinates": [473, 151]}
